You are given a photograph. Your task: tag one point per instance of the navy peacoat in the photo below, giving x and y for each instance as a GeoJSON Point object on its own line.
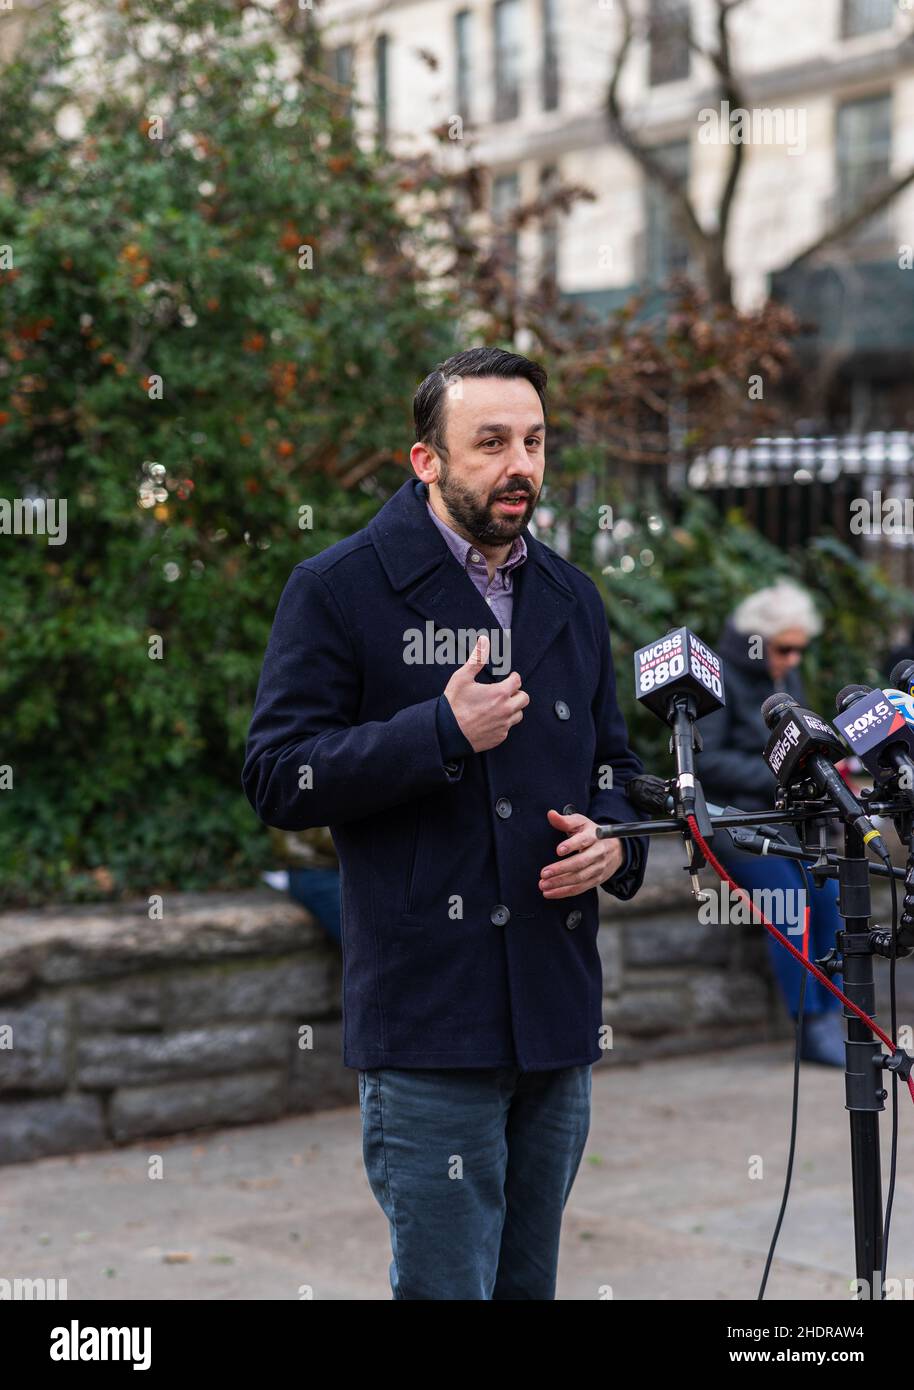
{"type": "Point", "coordinates": [452, 957]}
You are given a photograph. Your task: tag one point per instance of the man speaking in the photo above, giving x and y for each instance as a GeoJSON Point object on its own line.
{"type": "Point", "coordinates": [439, 690]}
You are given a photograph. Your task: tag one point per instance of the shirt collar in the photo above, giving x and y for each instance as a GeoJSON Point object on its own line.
{"type": "Point", "coordinates": [460, 547]}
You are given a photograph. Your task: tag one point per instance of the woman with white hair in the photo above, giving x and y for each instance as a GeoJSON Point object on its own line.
{"type": "Point", "coordinates": [761, 647]}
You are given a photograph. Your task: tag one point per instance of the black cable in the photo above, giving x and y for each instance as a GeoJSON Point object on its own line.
{"type": "Point", "coordinates": [794, 1108]}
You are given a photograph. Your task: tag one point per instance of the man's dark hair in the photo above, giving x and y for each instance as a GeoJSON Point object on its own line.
{"type": "Point", "coordinates": [430, 400]}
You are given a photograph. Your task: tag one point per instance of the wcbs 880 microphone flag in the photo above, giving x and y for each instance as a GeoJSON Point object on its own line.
{"type": "Point", "coordinates": [678, 663]}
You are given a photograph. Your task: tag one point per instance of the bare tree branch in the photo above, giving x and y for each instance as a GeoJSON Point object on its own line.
{"type": "Point", "coordinates": [640, 152]}
{"type": "Point", "coordinates": [708, 244]}
{"type": "Point", "coordinates": [731, 92]}
{"type": "Point", "coordinates": [873, 203]}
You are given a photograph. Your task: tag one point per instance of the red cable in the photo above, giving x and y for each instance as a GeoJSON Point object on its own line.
{"type": "Point", "coordinates": [813, 969]}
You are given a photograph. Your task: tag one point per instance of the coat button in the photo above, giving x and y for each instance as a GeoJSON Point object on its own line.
{"type": "Point", "coordinates": [499, 914]}
{"type": "Point", "coordinates": [566, 810]}
{"type": "Point", "coordinates": [573, 919]}
{"type": "Point", "coordinates": [562, 710]}
{"type": "Point", "coordinates": [452, 768]}
{"type": "Point", "coordinates": [503, 807]}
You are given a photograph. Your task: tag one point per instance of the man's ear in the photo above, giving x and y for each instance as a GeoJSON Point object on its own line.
{"type": "Point", "coordinates": [425, 463]}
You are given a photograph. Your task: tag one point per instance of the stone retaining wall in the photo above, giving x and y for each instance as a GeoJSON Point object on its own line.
{"type": "Point", "coordinates": [124, 1027]}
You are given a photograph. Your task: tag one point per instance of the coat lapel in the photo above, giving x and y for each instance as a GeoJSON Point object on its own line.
{"type": "Point", "coordinates": [420, 566]}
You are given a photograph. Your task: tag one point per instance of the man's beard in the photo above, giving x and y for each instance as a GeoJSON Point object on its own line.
{"type": "Point", "coordinates": [477, 518]}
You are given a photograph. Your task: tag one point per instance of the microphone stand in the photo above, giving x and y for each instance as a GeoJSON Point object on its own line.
{"type": "Point", "coordinates": [865, 1096]}
{"type": "Point", "coordinates": [852, 955]}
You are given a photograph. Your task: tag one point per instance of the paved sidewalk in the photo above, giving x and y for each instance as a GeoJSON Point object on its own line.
{"type": "Point", "coordinates": [663, 1207]}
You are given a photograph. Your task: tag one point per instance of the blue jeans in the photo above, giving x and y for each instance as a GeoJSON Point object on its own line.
{"type": "Point", "coordinates": [319, 891]}
{"type": "Point", "coordinates": [472, 1169]}
{"type": "Point", "coordinates": [752, 871]}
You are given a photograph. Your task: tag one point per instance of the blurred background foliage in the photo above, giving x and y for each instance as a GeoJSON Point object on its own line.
{"type": "Point", "coordinates": [171, 368]}
{"type": "Point", "coordinates": [180, 258]}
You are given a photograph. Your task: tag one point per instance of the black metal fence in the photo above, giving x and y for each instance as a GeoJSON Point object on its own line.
{"type": "Point", "coordinates": [859, 487]}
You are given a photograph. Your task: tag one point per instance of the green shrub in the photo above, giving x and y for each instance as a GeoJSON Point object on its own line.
{"type": "Point", "coordinates": [178, 262]}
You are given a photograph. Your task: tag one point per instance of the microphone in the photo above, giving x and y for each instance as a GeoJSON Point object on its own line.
{"type": "Point", "coordinates": [902, 676]}
{"type": "Point", "coordinates": [903, 703]}
{"type": "Point", "coordinates": [678, 663]}
{"type": "Point", "coordinates": [652, 796]}
{"type": "Point", "coordinates": [680, 679]}
{"type": "Point", "coordinates": [802, 745]}
{"type": "Point", "coordinates": [877, 731]}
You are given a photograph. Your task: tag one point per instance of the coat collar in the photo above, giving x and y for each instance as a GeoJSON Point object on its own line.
{"type": "Point", "coordinates": [419, 565]}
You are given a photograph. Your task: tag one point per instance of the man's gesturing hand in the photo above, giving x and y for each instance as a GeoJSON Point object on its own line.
{"type": "Point", "coordinates": [485, 712]}
{"type": "Point", "coordinates": [586, 861]}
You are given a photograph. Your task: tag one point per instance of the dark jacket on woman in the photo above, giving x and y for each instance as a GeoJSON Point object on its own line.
{"type": "Point", "coordinates": [731, 767]}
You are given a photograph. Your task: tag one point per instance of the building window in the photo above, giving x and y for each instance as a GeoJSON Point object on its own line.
{"type": "Point", "coordinates": [865, 16]}
{"type": "Point", "coordinates": [507, 59]}
{"type": "Point", "coordinates": [381, 85]}
{"type": "Point", "coordinates": [668, 37]}
{"type": "Point", "coordinates": [666, 246]}
{"type": "Point", "coordinates": [864, 151]}
{"type": "Point", "coordinates": [505, 198]}
{"type": "Point", "coordinates": [340, 69]}
{"type": "Point", "coordinates": [463, 32]}
{"type": "Point", "coordinates": [550, 73]}
{"type": "Point", "coordinates": [549, 226]}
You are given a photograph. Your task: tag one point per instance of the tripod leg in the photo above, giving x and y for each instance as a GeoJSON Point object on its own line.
{"type": "Point", "coordinates": [863, 1071]}
{"type": "Point", "coordinates": [867, 1182]}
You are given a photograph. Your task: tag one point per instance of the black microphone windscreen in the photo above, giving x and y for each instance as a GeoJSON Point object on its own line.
{"type": "Point", "coordinates": [902, 674]}
{"type": "Point", "coordinates": [775, 705]}
{"type": "Point", "coordinates": [849, 694]}
{"type": "Point", "coordinates": [648, 794]}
